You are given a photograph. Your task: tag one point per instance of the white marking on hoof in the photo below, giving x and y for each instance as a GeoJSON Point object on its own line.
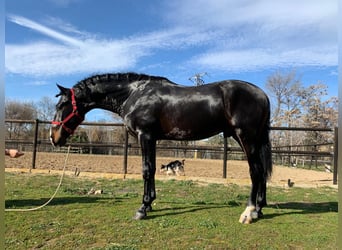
{"type": "Point", "coordinates": [248, 215]}
{"type": "Point", "coordinates": [139, 215]}
{"type": "Point", "coordinates": [254, 215]}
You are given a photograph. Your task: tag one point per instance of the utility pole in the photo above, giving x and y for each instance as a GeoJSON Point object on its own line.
{"type": "Point", "coordinates": [198, 78]}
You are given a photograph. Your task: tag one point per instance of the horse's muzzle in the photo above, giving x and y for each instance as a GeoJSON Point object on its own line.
{"type": "Point", "coordinates": [56, 137]}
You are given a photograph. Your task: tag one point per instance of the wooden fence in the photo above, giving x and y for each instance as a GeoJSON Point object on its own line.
{"type": "Point", "coordinates": [285, 150]}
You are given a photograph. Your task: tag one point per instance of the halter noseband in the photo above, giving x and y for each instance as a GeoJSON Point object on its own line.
{"type": "Point", "coordinates": [74, 113]}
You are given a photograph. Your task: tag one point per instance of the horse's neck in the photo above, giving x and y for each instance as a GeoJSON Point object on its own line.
{"type": "Point", "coordinates": [111, 96]}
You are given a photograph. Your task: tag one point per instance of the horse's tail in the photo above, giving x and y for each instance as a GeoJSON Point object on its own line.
{"type": "Point", "coordinates": [265, 149]}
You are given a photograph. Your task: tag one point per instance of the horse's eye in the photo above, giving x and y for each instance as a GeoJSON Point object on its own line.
{"type": "Point", "coordinates": [60, 105]}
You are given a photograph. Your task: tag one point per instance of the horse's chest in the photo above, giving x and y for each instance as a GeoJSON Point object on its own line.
{"type": "Point", "coordinates": [141, 112]}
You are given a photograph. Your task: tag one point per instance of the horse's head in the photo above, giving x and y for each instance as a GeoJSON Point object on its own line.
{"type": "Point", "coordinates": [69, 114]}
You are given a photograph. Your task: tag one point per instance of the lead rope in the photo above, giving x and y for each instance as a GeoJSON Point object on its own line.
{"type": "Point", "coordinates": [53, 196]}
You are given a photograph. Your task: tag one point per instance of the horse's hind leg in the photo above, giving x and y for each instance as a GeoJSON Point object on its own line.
{"type": "Point", "coordinates": [253, 206]}
{"type": "Point", "coordinates": [257, 198]}
{"type": "Point", "coordinates": [261, 197]}
{"type": "Point", "coordinates": [264, 156]}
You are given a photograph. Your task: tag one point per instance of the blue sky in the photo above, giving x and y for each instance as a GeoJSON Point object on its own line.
{"type": "Point", "coordinates": [64, 41]}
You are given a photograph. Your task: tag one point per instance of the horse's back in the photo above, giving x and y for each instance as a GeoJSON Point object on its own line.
{"type": "Point", "coordinates": [236, 88]}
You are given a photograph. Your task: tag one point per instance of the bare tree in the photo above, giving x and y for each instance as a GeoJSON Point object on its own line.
{"type": "Point", "coordinates": [45, 108]}
{"type": "Point", "coordinates": [45, 111]}
{"type": "Point", "coordinates": [299, 106]}
{"type": "Point", "coordinates": [287, 94]}
{"type": "Point", "coordinates": [320, 112]}
{"type": "Point", "coordinates": [19, 111]}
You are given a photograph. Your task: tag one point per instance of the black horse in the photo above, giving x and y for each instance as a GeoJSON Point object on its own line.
{"type": "Point", "coordinates": [154, 108]}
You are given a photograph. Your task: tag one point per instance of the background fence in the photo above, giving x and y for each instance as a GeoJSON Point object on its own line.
{"type": "Point", "coordinates": [32, 135]}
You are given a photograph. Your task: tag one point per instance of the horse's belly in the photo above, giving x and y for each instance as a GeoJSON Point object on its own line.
{"type": "Point", "coordinates": [181, 134]}
{"type": "Point", "coordinates": [192, 117]}
{"type": "Point", "coordinates": [193, 129]}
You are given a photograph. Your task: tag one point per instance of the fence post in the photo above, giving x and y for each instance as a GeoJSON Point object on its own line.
{"type": "Point", "coordinates": [35, 142]}
{"type": "Point", "coordinates": [225, 148]}
{"type": "Point", "coordinates": [335, 156]}
{"type": "Point", "coordinates": [125, 153]}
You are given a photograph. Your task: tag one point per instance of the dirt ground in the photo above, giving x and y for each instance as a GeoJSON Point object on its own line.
{"type": "Point", "coordinates": [203, 170]}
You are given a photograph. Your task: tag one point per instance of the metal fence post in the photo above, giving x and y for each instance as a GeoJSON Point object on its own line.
{"type": "Point", "coordinates": [335, 156]}
{"type": "Point", "coordinates": [35, 143]}
{"type": "Point", "coordinates": [125, 153]}
{"type": "Point", "coordinates": [225, 148]}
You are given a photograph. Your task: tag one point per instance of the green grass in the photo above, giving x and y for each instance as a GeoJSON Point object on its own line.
{"type": "Point", "coordinates": [186, 216]}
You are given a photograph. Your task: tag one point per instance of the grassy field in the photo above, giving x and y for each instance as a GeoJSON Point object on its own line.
{"type": "Point", "coordinates": [186, 215]}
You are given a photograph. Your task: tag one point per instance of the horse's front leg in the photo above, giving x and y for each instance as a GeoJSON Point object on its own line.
{"type": "Point", "coordinates": [148, 147]}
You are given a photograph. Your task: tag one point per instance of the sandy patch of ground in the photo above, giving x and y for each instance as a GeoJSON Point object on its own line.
{"type": "Point", "coordinates": [203, 170]}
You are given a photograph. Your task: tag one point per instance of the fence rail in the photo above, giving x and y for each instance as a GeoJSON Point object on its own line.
{"type": "Point", "coordinates": [221, 149]}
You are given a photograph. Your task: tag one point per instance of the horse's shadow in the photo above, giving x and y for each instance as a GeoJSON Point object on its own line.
{"type": "Point", "coordinates": [57, 201]}
{"type": "Point", "coordinates": [184, 208]}
{"type": "Point", "coordinates": [170, 209]}
{"type": "Point", "coordinates": [281, 209]}
{"type": "Point", "coordinates": [173, 209]}
{"type": "Point", "coordinates": [290, 208]}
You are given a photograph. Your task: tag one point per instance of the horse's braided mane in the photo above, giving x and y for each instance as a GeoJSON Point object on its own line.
{"type": "Point", "coordinates": [119, 77]}
{"type": "Point", "coordinates": [115, 99]}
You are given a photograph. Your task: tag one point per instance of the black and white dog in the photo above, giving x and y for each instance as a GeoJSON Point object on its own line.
{"type": "Point", "coordinates": [174, 167]}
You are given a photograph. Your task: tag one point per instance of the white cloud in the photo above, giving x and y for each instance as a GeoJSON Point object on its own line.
{"type": "Point", "coordinates": [67, 27]}
{"type": "Point", "coordinates": [63, 3]}
{"type": "Point", "coordinates": [52, 59]}
{"type": "Point", "coordinates": [261, 34]}
{"type": "Point", "coordinates": [43, 29]}
{"type": "Point", "coordinates": [259, 59]}
{"type": "Point", "coordinates": [74, 55]}
{"type": "Point", "coordinates": [78, 53]}
{"type": "Point", "coordinates": [229, 13]}
{"type": "Point", "coordinates": [37, 83]}
{"type": "Point", "coordinates": [227, 35]}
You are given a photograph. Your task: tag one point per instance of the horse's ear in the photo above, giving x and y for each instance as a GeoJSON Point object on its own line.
{"type": "Point", "coordinates": [64, 91]}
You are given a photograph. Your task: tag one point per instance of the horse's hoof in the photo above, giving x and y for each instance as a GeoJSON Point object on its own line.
{"type": "Point", "coordinates": [255, 215]}
{"type": "Point", "coordinates": [245, 219]}
{"type": "Point", "coordinates": [248, 215]}
{"type": "Point", "coordinates": [139, 215]}
{"type": "Point", "coordinates": [260, 214]}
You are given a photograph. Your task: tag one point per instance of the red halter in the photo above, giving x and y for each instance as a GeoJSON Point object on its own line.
{"type": "Point", "coordinates": [71, 115]}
